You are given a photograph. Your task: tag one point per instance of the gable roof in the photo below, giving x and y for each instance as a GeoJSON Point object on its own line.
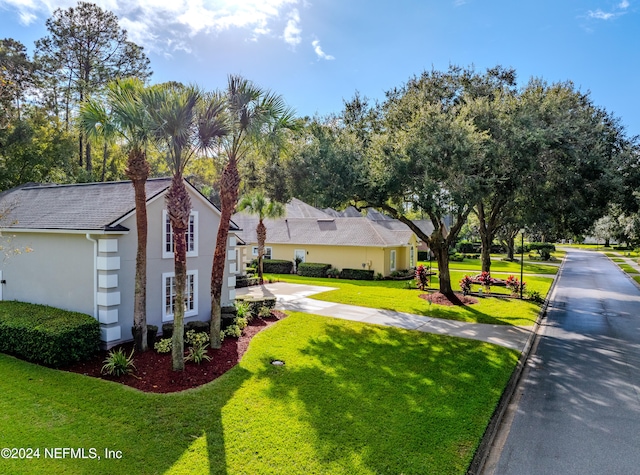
{"type": "Point", "coordinates": [76, 207]}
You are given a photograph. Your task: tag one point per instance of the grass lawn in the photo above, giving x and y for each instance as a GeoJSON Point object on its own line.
{"type": "Point", "coordinates": [351, 399]}
{"type": "Point", "coordinates": [394, 295]}
{"type": "Point", "coordinates": [499, 266]}
{"type": "Point", "coordinates": [636, 278]}
{"type": "Point", "coordinates": [628, 269]}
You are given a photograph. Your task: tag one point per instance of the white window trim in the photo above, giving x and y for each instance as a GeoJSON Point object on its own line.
{"type": "Point", "coordinates": [169, 254]}
{"type": "Point", "coordinates": [393, 260]}
{"type": "Point", "coordinates": [412, 257]}
{"type": "Point", "coordinates": [254, 252]}
{"type": "Point", "coordinates": [168, 317]}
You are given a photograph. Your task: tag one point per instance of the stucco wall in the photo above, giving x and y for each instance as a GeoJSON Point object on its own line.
{"type": "Point", "coordinates": [208, 222]}
{"type": "Point", "coordinates": [58, 272]}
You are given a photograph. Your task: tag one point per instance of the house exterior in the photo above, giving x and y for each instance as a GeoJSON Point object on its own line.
{"type": "Point", "coordinates": [84, 242]}
{"type": "Point", "coordinates": [350, 241]}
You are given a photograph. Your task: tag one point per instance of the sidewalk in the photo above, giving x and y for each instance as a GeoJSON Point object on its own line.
{"type": "Point", "coordinates": [294, 297]}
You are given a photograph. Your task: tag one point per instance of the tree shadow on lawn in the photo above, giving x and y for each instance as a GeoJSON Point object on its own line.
{"type": "Point", "coordinates": [385, 400]}
{"type": "Point", "coordinates": [156, 433]}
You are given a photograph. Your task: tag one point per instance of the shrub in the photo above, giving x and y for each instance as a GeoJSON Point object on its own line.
{"type": "Point", "coordinates": [196, 338]}
{"type": "Point", "coordinates": [243, 309]}
{"type": "Point", "coordinates": [118, 363]}
{"type": "Point", "coordinates": [167, 330]}
{"type": "Point", "coordinates": [423, 255]}
{"type": "Point", "coordinates": [47, 335]}
{"type": "Point", "coordinates": [378, 276]}
{"type": "Point", "coordinates": [513, 284]}
{"type": "Point", "coordinates": [333, 272]}
{"type": "Point", "coordinates": [246, 281]}
{"type": "Point", "coordinates": [197, 354]}
{"type": "Point", "coordinates": [465, 285]}
{"type": "Point", "coordinates": [163, 346]}
{"type": "Point", "coordinates": [241, 323]}
{"type": "Point", "coordinates": [255, 304]}
{"type": "Point", "coordinates": [422, 279]}
{"type": "Point", "coordinates": [535, 296]}
{"type": "Point", "coordinates": [357, 274]}
{"type": "Point", "coordinates": [313, 269]}
{"type": "Point", "coordinates": [264, 312]}
{"type": "Point", "coordinates": [465, 247]}
{"type": "Point", "coordinates": [485, 280]}
{"type": "Point", "coordinates": [276, 266]}
{"type": "Point", "coordinates": [233, 331]}
{"type": "Point", "coordinates": [456, 257]}
{"type": "Point", "coordinates": [197, 326]}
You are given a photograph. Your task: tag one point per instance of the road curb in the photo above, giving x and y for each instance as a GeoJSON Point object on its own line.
{"type": "Point", "coordinates": [482, 452]}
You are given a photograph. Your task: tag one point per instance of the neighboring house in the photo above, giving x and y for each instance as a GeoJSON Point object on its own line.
{"type": "Point", "coordinates": [84, 243]}
{"type": "Point", "coordinates": [353, 241]}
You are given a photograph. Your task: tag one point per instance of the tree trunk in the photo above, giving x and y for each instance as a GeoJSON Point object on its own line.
{"type": "Point", "coordinates": [105, 155]}
{"type": "Point", "coordinates": [179, 208]}
{"type": "Point", "coordinates": [261, 231]}
{"type": "Point", "coordinates": [486, 240]}
{"type": "Point", "coordinates": [229, 183]}
{"type": "Point", "coordinates": [88, 160]}
{"type": "Point", "coordinates": [138, 171]}
{"type": "Point", "coordinates": [440, 248]}
{"type": "Point", "coordinates": [511, 247]}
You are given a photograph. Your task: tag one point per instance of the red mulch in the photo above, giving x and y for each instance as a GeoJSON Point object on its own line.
{"type": "Point", "coordinates": [153, 370]}
{"type": "Point", "coordinates": [441, 299]}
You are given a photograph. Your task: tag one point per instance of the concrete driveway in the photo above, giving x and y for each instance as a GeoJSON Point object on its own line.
{"type": "Point", "coordinates": [295, 297]}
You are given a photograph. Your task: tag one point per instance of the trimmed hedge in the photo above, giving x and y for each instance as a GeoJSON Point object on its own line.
{"type": "Point", "coordinates": [357, 274]}
{"type": "Point", "coordinates": [246, 281]}
{"type": "Point", "coordinates": [47, 335]}
{"type": "Point", "coordinates": [255, 304]}
{"type": "Point", "coordinates": [313, 269]}
{"type": "Point", "coordinates": [276, 266]}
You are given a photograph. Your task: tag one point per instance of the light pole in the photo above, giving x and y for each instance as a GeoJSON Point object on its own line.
{"type": "Point", "coordinates": [521, 259]}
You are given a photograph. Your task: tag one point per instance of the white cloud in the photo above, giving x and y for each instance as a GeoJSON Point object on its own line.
{"type": "Point", "coordinates": [600, 15]}
{"type": "Point", "coordinates": [292, 30]}
{"type": "Point", "coordinates": [158, 24]}
{"type": "Point", "coordinates": [459, 3]}
{"type": "Point", "coordinates": [321, 54]}
{"type": "Point", "coordinates": [619, 10]}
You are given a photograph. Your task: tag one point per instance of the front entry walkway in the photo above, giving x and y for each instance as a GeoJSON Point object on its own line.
{"type": "Point", "coordinates": [295, 297]}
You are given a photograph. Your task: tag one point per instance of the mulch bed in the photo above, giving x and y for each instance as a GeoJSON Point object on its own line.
{"type": "Point", "coordinates": [153, 370]}
{"type": "Point", "coordinates": [441, 299]}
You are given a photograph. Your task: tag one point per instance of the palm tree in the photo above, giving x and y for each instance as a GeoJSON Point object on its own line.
{"type": "Point", "coordinates": [251, 111]}
{"type": "Point", "coordinates": [127, 101]}
{"type": "Point", "coordinates": [258, 203]}
{"type": "Point", "coordinates": [186, 122]}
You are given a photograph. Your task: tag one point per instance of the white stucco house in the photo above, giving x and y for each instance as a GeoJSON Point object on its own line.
{"type": "Point", "coordinates": [83, 244]}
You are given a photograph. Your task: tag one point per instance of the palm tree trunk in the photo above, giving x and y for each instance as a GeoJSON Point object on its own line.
{"type": "Point", "coordinates": [138, 171]}
{"type": "Point", "coordinates": [229, 185]}
{"type": "Point", "coordinates": [261, 231]}
{"type": "Point", "coordinates": [179, 208]}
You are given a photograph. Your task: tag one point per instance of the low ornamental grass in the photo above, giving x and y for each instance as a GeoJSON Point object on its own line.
{"type": "Point", "coordinates": [350, 399]}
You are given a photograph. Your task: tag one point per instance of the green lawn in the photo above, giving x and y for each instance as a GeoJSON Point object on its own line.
{"type": "Point", "coordinates": [351, 399]}
{"type": "Point", "coordinates": [393, 295]}
{"type": "Point", "coordinates": [628, 269]}
{"type": "Point", "coordinates": [500, 266]}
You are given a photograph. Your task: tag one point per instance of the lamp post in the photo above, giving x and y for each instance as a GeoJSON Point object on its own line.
{"type": "Point", "coordinates": [521, 259]}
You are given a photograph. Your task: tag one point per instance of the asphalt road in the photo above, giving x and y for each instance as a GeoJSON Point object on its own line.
{"type": "Point", "coordinates": [578, 406]}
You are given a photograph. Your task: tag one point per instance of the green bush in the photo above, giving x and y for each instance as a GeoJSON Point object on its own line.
{"type": "Point", "coordinates": [456, 257]}
{"type": "Point", "coordinates": [197, 326]}
{"type": "Point", "coordinates": [276, 266]}
{"type": "Point", "coordinates": [47, 335]}
{"type": "Point", "coordinates": [357, 274]}
{"type": "Point", "coordinates": [118, 363]}
{"type": "Point", "coordinates": [468, 247]}
{"type": "Point", "coordinates": [163, 346]}
{"type": "Point", "coordinates": [255, 304]}
{"type": "Point", "coordinates": [233, 331]}
{"type": "Point", "coordinates": [313, 269]}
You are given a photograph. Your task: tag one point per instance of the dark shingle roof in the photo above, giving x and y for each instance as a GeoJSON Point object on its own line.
{"type": "Point", "coordinates": [90, 206]}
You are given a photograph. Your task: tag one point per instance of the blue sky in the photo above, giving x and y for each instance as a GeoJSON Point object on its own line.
{"type": "Point", "coordinates": [318, 53]}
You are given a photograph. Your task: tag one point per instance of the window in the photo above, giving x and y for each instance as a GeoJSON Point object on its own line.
{"type": "Point", "coordinates": [191, 235]}
{"type": "Point", "coordinates": [169, 295]}
{"type": "Point", "coordinates": [412, 257]}
{"type": "Point", "coordinates": [392, 260]}
{"type": "Point", "coordinates": [267, 252]}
